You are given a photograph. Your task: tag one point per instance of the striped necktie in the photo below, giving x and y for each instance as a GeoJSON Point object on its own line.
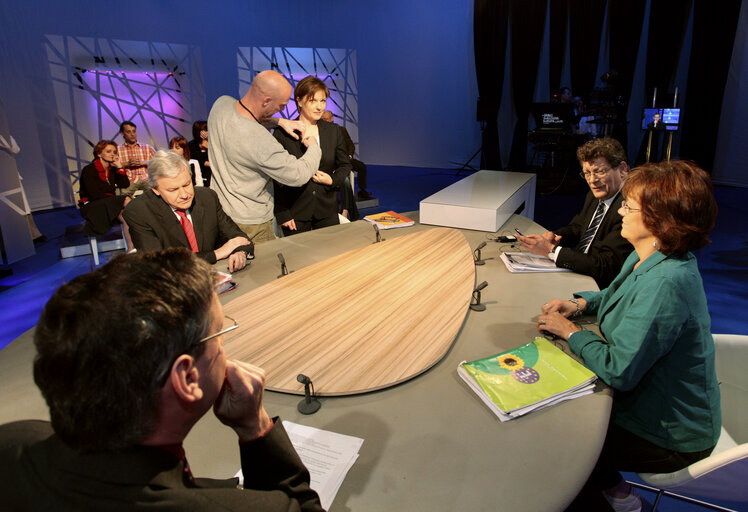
{"type": "Point", "coordinates": [188, 229]}
{"type": "Point", "coordinates": [586, 241]}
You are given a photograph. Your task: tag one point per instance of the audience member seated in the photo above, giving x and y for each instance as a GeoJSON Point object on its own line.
{"type": "Point", "coordinates": [657, 351]}
{"type": "Point", "coordinates": [129, 358]}
{"type": "Point", "coordinates": [179, 146]}
{"type": "Point", "coordinates": [99, 182]}
{"type": "Point", "coordinates": [173, 213]}
{"type": "Point", "coordinates": [198, 148]}
{"type": "Point", "coordinates": [592, 243]}
{"type": "Point", "coordinates": [358, 166]}
{"type": "Point", "coordinates": [134, 157]}
{"type": "Point", "coordinates": [314, 204]}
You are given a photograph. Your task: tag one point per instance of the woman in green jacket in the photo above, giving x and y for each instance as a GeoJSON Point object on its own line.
{"type": "Point", "coordinates": [657, 352]}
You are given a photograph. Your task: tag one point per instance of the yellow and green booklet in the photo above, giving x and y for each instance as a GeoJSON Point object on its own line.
{"type": "Point", "coordinates": [389, 220]}
{"type": "Point", "coordinates": [527, 378]}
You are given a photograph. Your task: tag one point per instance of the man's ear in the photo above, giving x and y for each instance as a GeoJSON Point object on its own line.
{"type": "Point", "coordinates": [184, 379]}
{"type": "Point", "coordinates": [623, 167]}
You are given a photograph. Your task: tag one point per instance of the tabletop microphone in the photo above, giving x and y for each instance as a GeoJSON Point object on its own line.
{"type": "Point", "coordinates": [477, 306]}
{"type": "Point", "coordinates": [476, 254]}
{"type": "Point", "coordinates": [284, 268]}
{"type": "Point", "coordinates": [309, 405]}
{"type": "Point", "coordinates": [379, 235]}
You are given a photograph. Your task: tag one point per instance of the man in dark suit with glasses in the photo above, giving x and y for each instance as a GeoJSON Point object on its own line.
{"type": "Point", "coordinates": [591, 244]}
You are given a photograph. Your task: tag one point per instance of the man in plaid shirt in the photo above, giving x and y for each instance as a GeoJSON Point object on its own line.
{"type": "Point", "coordinates": [134, 158]}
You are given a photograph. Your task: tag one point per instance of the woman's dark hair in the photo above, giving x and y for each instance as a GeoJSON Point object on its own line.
{"type": "Point", "coordinates": [677, 203]}
{"type": "Point", "coordinates": [308, 87]}
{"type": "Point", "coordinates": [105, 340]}
{"type": "Point", "coordinates": [197, 127]}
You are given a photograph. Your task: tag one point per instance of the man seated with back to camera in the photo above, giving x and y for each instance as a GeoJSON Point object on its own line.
{"type": "Point", "coordinates": [126, 382]}
{"type": "Point", "coordinates": [174, 213]}
{"type": "Point", "coordinates": [592, 243]}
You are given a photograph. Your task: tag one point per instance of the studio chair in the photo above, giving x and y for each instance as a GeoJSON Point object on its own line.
{"type": "Point", "coordinates": [91, 234]}
{"type": "Point", "coordinates": [724, 474]}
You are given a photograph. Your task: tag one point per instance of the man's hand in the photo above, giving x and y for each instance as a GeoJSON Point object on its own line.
{"type": "Point", "coordinates": [239, 405]}
{"type": "Point", "coordinates": [309, 141]}
{"type": "Point", "coordinates": [291, 127]}
{"type": "Point", "coordinates": [226, 249]}
{"type": "Point", "coordinates": [291, 224]}
{"type": "Point", "coordinates": [540, 244]}
{"type": "Point", "coordinates": [322, 178]}
{"type": "Point", "coordinates": [237, 261]}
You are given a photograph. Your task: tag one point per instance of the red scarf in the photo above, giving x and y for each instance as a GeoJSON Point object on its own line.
{"type": "Point", "coordinates": [103, 173]}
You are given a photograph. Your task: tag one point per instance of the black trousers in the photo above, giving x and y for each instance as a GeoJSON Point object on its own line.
{"type": "Point", "coordinates": [624, 451]}
{"type": "Point", "coordinates": [308, 225]}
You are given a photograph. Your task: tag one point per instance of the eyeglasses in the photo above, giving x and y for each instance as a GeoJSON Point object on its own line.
{"type": "Point", "coordinates": [223, 331]}
{"type": "Point", "coordinates": [165, 373]}
{"type": "Point", "coordinates": [599, 173]}
{"type": "Point", "coordinates": [627, 209]}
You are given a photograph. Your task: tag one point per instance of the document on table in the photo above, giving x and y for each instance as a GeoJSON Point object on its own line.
{"type": "Point", "coordinates": [522, 262]}
{"type": "Point", "coordinates": [327, 455]}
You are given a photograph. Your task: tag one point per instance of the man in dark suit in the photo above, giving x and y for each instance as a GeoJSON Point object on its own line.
{"type": "Point", "coordinates": [592, 243]}
{"type": "Point", "coordinates": [129, 358]}
{"type": "Point", "coordinates": [174, 213]}
{"type": "Point", "coordinates": [656, 123]}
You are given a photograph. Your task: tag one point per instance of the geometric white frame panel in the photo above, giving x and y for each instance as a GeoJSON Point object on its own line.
{"type": "Point", "coordinates": [98, 83]}
{"type": "Point", "coordinates": [334, 66]}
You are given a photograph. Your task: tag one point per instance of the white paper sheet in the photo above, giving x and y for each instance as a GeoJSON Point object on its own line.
{"type": "Point", "coordinates": [327, 455]}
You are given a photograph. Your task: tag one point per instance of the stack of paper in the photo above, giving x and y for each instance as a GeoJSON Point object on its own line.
{"type": "Point", "coordinates": [327, 455]}
{"type": "Point", "coordinates": [389, 220]}
{"type": "Point", "coordinates": [527, 378]}
{"type": "Point", "coordinates": [521, 262]}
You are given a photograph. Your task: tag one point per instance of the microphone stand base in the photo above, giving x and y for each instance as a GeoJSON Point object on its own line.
{"type": "Point", "coordinates": [478, 307]}
{"type": "Point", "coordinates": [309, 407]}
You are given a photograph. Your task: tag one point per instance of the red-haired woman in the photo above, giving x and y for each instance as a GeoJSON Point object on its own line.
{"type": "Point", "coordinates": [657, 352]}
{"type": "Point", "coordinates": [99, 181]}
{"type": "Point", "coordinates": [314, 205]}
{"type": "Point", "coordinates": [180, 147]}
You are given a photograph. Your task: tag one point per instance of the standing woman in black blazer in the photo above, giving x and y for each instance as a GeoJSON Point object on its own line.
{"type": "Point", "coordinates": [315, 204]}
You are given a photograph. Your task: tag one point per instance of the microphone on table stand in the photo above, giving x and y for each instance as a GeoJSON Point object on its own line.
{"type": "Point", "coordinates": [309, 405]}
{"type": "Point", "coordinates": [477, 306]}
{"type": "Point", "coordinates": [476, 254]}
{"type": "Point", "coordinates": [379, 235]}
{"type": "Point", "coordinates": [284, 268]}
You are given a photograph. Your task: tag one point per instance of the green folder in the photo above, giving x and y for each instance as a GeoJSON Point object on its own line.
{"type": "Point", "coordinates": [527, 378]}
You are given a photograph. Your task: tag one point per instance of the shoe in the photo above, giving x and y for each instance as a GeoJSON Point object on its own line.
{"type": "Point", "coordinates": [364, 195]}
{"type": "Point", "coordinates": [40, 239]}
{"type": "Point", "coordinates": [631, 503]}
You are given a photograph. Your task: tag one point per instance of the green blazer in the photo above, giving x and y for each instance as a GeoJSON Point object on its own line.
{"type": "Point", "coordinates": [658, 352]}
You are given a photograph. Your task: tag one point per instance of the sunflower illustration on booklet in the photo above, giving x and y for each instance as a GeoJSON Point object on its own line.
{"type": "Point", "coordinates": [389, 220]}
{"type": "Point", "coordinates": [527, 378]}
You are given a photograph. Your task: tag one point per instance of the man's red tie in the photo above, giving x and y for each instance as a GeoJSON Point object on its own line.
{"type": "Point", "coordinates": [188, 229]}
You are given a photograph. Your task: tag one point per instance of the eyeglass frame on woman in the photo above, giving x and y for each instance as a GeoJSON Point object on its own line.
{"type": "Point", "coordinates": [599, 173]}
{"type": "Point", "coordinates": [627, 209]}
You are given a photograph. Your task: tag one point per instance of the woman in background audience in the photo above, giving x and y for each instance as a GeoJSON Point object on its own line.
{"type": "Point", "coordinates": [314, 205]}
{"type": "Point", "coordinates": [179, 146]}
{"type": "Point", "coordinates": [198, 147]}
{"type": "Point", "coordinates": [99, 181]}
{"type": "Point", "coordinates": [657, 352]}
